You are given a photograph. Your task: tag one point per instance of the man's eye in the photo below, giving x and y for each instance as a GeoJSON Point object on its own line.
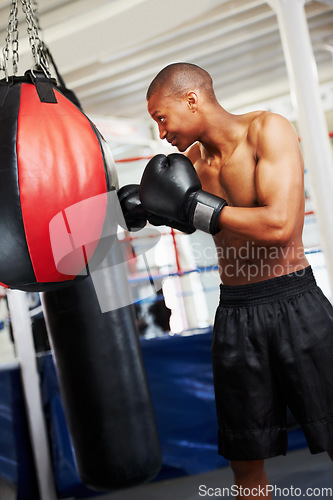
{"type": "Point", "coordinates": [161, 119]}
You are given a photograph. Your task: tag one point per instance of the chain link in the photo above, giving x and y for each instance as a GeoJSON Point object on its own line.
{"type": "Point", "coordinates": [30, 9]}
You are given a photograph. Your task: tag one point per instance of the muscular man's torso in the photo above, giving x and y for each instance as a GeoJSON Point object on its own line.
{"type": "Point", "coordinates": [243, 261]}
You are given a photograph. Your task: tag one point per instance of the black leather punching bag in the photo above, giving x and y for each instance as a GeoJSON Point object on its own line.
{"type": "Point", "coordinates": [55, 172]}
{"type": "Point", "coordinates": [103, 382]}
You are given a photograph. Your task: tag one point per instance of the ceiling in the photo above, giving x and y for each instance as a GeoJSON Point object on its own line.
{"type": "Point", "coordinates": [108, 51]}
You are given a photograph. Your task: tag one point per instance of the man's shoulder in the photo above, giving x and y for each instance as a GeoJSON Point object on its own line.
{"type": "Point", "coordinates": [260, 121]}
{"type": "Point", "coordinates": [266, 124]}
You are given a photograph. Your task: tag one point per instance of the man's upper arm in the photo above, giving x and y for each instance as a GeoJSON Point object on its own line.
{"type": "Point", "coordinates": [279, 172]}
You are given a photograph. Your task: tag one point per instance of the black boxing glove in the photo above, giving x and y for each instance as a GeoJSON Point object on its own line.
{"type": "Point", "coordinates": [170, 187]}
{"type": "Point", "coordinates": [136, 216]}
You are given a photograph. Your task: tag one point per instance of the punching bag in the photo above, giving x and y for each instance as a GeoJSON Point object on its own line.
{"type": "Point", "coordinates": [102, 381]}
{"type": "Point", "coordinates": [55, 175]}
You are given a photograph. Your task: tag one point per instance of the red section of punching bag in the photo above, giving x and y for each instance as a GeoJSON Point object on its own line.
{"type": "Point", "coordinates": [60, 163]}
{"type": "Point", "coordinates": [72, 246]}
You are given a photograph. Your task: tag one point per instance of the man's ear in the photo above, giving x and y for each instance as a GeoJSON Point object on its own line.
{"type": "Point", "coordinates": [192, 101]}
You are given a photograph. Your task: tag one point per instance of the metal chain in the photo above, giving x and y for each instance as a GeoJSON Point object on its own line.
{"type": "Point", "coordinates": [38, 48]}
{"type": "Point", "coordinates": [11, 38]}
{"type": "Point", "coordinates": [36, 15]}
{"type": "Point", "coordinates": [34, 39]}
{"type": "Point", "coordinates": [44, 47]}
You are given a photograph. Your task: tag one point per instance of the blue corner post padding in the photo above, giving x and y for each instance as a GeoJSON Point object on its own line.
{"type": "Point", "coordinates": [16, 458]}
{"type": "Point", "coordinates": [181, 381]}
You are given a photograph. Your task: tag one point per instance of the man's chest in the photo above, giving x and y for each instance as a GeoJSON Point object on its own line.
{"type": "Point", "coordinates": [235, 181]}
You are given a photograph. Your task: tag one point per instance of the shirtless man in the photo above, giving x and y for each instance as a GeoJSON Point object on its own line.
{"type": "Point", "coordinates": [241, 180]}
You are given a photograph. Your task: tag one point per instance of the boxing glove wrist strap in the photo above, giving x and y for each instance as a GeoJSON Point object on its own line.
{"type": "Point", "coordinates": [205, 212]}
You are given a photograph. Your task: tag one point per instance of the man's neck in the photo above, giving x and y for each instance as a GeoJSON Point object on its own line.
{"type": "Point", "coordinates": [221, 133]}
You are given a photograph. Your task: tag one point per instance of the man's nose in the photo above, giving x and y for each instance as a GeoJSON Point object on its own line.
{"type": "Point", "coordinates": [162, 132]}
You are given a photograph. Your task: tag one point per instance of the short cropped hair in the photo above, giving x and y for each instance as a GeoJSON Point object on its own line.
{"type": "Point", "coordinates": [177, 78]}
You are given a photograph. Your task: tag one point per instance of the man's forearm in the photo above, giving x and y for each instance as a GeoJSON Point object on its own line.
{"type": "Point", "coordinates": [259, 224]}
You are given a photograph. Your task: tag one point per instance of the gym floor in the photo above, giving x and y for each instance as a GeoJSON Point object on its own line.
{"type": "Point", "coordinates": [299, 469]}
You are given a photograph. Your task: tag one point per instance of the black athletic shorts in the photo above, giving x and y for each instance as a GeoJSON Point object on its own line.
{"type": "Point", "coordinates": [272, 347]}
